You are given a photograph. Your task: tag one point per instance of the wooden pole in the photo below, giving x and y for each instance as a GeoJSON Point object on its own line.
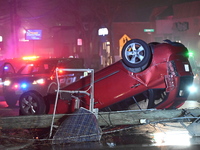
{"type": "Point", "coordinates": [104, 118]}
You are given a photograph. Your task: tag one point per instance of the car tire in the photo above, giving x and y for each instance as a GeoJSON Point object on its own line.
{"type": "Point", "coordinates": [136, 54]}
{"type": "Point", "coordinates": [52, 88]}
{"type": "Point", "coordinates": [31, 103]}
{"type": "Point", "coordinates": [10, 100]}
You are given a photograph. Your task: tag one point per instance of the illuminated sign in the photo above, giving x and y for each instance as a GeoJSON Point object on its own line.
{"type": "Point", "coordinates": [79, 42]}
{"type": "Point", "coordinates": [148, 30]}
{"type": "Point", "coordinates": [103, 31]}
{"type": "Point", "coordinates": [33, 34]}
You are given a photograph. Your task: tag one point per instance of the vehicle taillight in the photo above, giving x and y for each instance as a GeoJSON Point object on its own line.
{"type": "Point", "coordinates": [172, 70]}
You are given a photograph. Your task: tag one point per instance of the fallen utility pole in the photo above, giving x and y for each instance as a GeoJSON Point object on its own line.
{"type": "Point", "coordinates": [113, 118]}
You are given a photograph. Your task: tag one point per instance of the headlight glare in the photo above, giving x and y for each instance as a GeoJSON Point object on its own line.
{"type": "Point", "coordinates": [7, 82]}
{"type": "Point", "coordinates": [39, 81]}
{"type": "Point", "coordinates": [192, 89]}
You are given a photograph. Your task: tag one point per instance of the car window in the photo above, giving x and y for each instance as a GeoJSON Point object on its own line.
{"type": "Point", "coordinates": [8, 69]}
{"type": "Point", "coordinates": [41, 68]}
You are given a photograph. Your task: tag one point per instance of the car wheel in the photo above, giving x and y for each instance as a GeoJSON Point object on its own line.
{"type": "Point", "coordinates": [31, 104]}
{"type": "Point", "coordinates": [11, 100]}
{"type": "Point", "coordinates": [52, 88]}
{"type": "Point", "coordinates": [136, 54]}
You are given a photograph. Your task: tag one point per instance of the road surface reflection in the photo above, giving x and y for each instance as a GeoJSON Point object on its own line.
{"type": "Point", "coordinates": [160, 135]}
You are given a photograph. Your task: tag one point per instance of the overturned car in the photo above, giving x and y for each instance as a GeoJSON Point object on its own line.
{"type": "Point", "coordinates": [154, 75]}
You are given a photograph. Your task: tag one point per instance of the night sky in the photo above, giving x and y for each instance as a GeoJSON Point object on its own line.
{"type": "Point", "coordinates": [140, 10]}
{"type": "Point", "coordinates": [130, 10]}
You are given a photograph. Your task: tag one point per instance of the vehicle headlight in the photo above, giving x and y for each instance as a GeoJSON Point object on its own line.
{"type": "Point", "coordinates": [39, 81]}
{"type": "Point", "coordinates": [7, 82]}
{"type": "Point", "coordinates": [192, 89]}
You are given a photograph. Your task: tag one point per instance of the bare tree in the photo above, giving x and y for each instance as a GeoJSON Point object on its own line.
{"type": "Point", "coordinates": [106, 12]}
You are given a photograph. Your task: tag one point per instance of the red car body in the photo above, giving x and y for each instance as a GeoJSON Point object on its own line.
{"type": "Point", "coordinates": [167, 71]}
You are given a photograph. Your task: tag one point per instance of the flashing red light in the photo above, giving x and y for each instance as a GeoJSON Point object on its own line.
{"type": "Point", "coordinates": [60, 71]}
{"type": "Point", "coordinates": [16, 86]}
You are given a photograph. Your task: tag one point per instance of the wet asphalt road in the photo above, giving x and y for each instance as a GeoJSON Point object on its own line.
{"type": "Point", "coordinates": [6, 111]}
{"type": "Point", "coordinates": [159, 137]}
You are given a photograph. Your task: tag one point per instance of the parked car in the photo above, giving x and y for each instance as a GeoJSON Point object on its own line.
{"type": "Point", "coordinates": [36, 79]}
{"type": "Point", "coordinates": [154, 75]}
{"type": "Point", "coordinates": [8, 67]}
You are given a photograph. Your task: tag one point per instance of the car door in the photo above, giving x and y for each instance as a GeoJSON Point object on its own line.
{"type": "Point", "coordinates": [6, 70]}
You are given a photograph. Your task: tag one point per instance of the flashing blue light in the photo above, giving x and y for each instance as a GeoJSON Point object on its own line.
{"type": "Point", "coordinates": [24, 85]}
